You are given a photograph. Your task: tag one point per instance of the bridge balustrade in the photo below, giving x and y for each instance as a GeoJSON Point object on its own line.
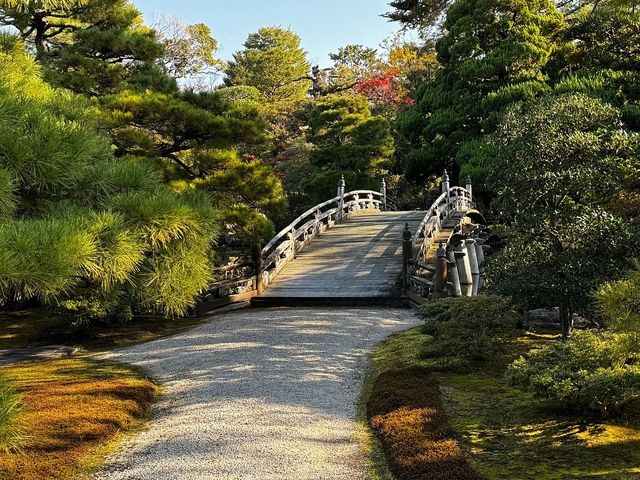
{"type": "Point", "coordinates": [240, 280]}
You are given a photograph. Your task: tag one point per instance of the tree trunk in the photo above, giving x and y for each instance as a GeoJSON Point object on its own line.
{"type": "Point", "coordinates": [566, 318]}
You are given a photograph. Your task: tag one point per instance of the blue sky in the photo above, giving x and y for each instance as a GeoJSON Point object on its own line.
{"type": "Point", "coordinates": [323, 25]}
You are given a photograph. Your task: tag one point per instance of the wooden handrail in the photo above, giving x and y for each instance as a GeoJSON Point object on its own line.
{"type": "Point", "coordinates": [453, 201]}
{"type": "Point", "coordinates": [312, 211]}
{"type": "Point", "coordinates": [242, 278]}
{"type": "Point", "coordinates": [295, 236]}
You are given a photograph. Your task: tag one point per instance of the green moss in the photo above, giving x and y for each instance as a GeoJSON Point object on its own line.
{"type": "Point", "coordinates": [401, 351]}
{"type": "Point", "coordinates": [40, 326]}
{"type": "Point", "coordinates": [509, 434]}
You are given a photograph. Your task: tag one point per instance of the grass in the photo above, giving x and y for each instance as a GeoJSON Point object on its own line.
{"type": "Point", "coordinates": [74, 411]}
{"type": "Point", "coordinates": [510, 434]}
{"type": "Point", "coordinates": [38, 327]}
{"type": "Point", "coordinates": [503, 432]}
{"type": "Point", "coordinates": [11, 425]}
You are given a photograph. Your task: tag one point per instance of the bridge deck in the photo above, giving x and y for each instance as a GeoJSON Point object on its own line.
{"type": "Point", "coordinates": [361, 257]}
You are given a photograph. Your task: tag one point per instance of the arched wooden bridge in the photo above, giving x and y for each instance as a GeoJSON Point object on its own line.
{"type": "Point", "coordinates": [359, 249]}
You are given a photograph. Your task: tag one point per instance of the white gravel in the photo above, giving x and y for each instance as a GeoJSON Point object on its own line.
{"type": "Point", "coordinates": [257, 394]}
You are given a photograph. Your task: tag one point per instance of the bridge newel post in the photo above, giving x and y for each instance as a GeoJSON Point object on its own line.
{"type": "Point", "coordinates": [446, 188]}
{"type": "Point", "coordinates": [256, 256]}
{"type": "Point", "coordinates": [341, 187]}
{"type": "Point", "coordinates": [407, 255]}
{"type": "Point", "coordinates": [469, 188]}
{"type": "Point", "coordinates": [383, 190]}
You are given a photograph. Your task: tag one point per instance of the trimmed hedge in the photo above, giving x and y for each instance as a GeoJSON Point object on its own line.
{"type": "Point", "coordinates": [406, 413]}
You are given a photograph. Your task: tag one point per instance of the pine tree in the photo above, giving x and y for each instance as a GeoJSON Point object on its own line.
{"type": "Point", "coordinates": [81, 228]}
{"type": "Point", "coordinates": [493, 53]}
{"type": "Point", "coordinates": [273, 62]}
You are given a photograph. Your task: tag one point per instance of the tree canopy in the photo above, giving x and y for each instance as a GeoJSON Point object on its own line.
{"type": "Point", "coordinates": [273, 62]}
{"type": "Point", "coordinates": [80, 225]}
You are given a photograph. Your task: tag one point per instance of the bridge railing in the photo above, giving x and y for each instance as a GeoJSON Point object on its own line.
{"type": "Point", "coordinates": [250, 276]}
{"type": "Point", "coordinates": [294, 237]}
{"type": "Point", "coordinates": [455, 200]}
{"type": "Point", "coordinates": [452, 201]}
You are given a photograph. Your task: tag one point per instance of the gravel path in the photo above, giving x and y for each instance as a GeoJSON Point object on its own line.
{"type": "Point", "coordinates": [257, 394]}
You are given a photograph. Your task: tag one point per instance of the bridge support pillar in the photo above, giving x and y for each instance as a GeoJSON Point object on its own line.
{"type": "Point", "coordinates": [454, 278]}
{"type": "Point", "coordinates": [256, 255]}
{"type": "Point", "coordinates": [464, 269]}
{"type": "Point", "coordinates": [473, 261]}
{"type": "Point", "coordinates": [481, 258]}
{"type": "Point", "coordinates": [480, 252]}
{"type": "Point", "coordinates": [440, 289]}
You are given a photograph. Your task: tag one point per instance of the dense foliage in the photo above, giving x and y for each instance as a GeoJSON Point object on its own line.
{"type": "Point", "coordinates": [81, 225]}
{"type": "Point", "coordinates": [469, 330]}
{"type": "Point", "coordinates": [556, 163]}
{"type": "Point", "coordinates": [593, 371]}
{"type": "Point", "coordinates": [619, 302]}
{"type": "Point", "coordinates": [492, 51]}
{"type": "Point", "coordinates": [273, 62]}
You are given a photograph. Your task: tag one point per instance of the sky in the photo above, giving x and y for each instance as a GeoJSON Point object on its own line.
{"type": "Point", "coordinates": [323, 25]}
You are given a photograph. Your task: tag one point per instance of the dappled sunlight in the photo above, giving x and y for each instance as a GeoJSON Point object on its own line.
{"type": "Point", "coordinates": [550, 444]}
{"type": "Point", "coordinates": [259, 384]}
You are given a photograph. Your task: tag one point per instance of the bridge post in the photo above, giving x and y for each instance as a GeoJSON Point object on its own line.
{"type": "Point", "coordinates": [464, 269]}
{"type": "Point", "coordinates": [475, 269]}
{"type": "Point", "coordinates": [469, 188]}
{"type": "Point", "coordinates": [341, 187]}
{"type": "Point", "coordinates": [446, 188]}
{"type": "Point", "coordinates": [441, 277]}
{"type": "Point", "coordinates": [383, 190]}
{"type": "Point", "coordinates": [256, 255]}
{"type": "Point", "coordinates": [407, 255]}
{"type": "Point", "coordinates": [454, 278]}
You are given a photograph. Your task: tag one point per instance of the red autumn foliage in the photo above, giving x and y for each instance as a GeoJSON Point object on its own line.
{"type": "Point", "coordinates": [406, 413]}
{"type": "Point", "coordinates": [384, 89]}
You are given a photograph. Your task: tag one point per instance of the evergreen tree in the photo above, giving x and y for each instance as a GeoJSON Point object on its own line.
{"type": "Point", "coordinates": [426, 16]}
{"type": "Point", "coordinates": [273, 62]}
{"type": "Point", "coordinates": [347, 136]}
{"type": "Point", "coordinates": [106, 52]}
{"type": "Point", "coordinates": [493, 53]}
{"type": "Point", "coordinates": [556, 164]}
{"type": "Point", "coordinates": [88, 46]}
{"type": "Point", "coordinates": [82, 229]}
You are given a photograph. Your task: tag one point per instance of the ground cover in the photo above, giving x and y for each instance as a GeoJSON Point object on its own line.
{"type": "Point", "coordinates": [501, 431]}
{"type": "Point", "coordinates": [39, 327]}
{"type": "Point", "coordinates": [73, 412]}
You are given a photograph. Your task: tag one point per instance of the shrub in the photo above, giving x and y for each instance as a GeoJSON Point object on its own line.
{"type": "Point", "coordinates": [591, 372]}
{"type": "Point", "coordinates": [468, 330]}
{"type": "Point", "coordinates": [619, 302]}
{"type": "Point", "coordinates": [11, 434]}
